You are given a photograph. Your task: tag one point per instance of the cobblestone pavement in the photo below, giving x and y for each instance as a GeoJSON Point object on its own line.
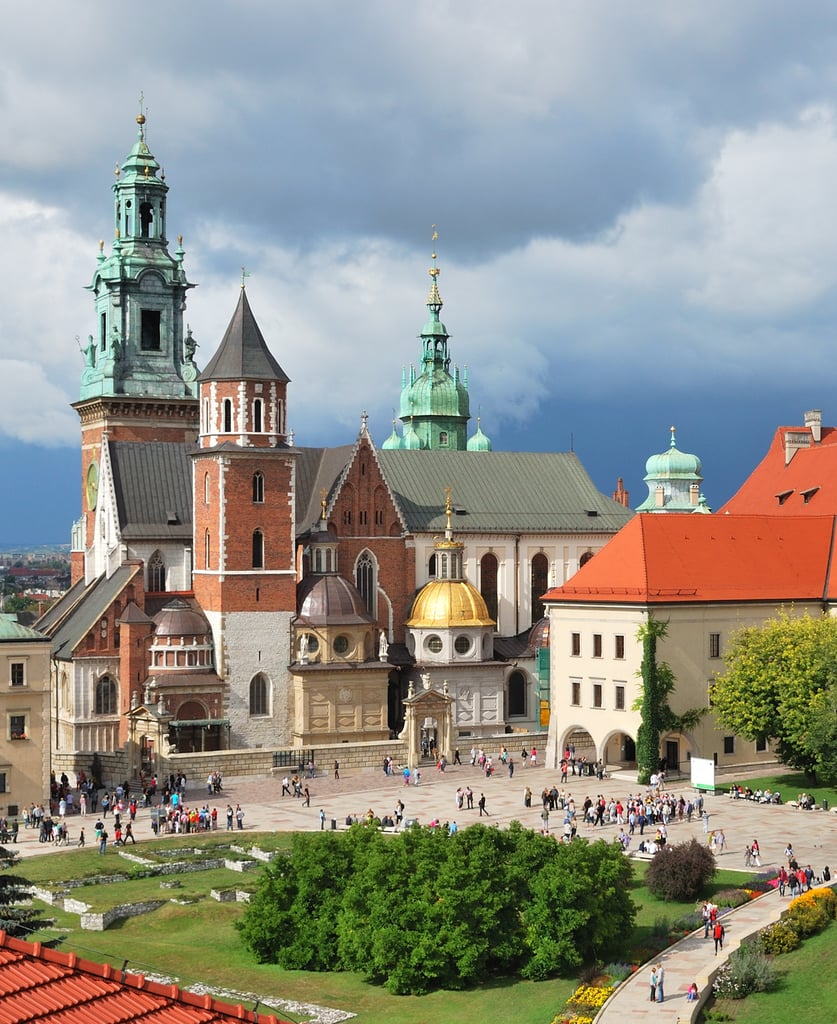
{"type": "Point", "coordinates": [812, 833]}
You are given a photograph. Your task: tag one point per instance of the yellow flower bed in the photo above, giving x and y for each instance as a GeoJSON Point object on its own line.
{"type": "Point", "coordinates": [591, 995]}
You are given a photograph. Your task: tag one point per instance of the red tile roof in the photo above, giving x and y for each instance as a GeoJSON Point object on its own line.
{"type": "Point", "coordinates": [664, 559]}
{"type": "Point", "coordinates": [807, 485]}
{"type": "Point", "coordinates": [38, 983]}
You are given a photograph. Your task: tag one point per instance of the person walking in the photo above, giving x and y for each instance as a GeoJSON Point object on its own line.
{"type": "Point", "coordinates": [337, 769]}
{"type": "Point", "coordinates": [718, 935]}
{"type": "Point", "coordinates": [322, 820]}
{"type": "Point", "coordinates": [511, 767]}
{"type": "Point", "coordinates": [481, 805]}
{"type": "Point", "coordinates": [756, 853]}
{"type": "Point", "coordinates": [103, 841]}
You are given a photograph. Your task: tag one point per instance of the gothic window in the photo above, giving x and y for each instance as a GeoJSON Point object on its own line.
{"type": "Point", "coordinates": [207, 549]}
{"type": "Point", "coordinates": [156, 573]}
{"type": "Point", "coordinates": [365, 581]}
{"type": "Point", "coordinates": [257, 416]}
{"type": "Point", "coordinates": [488, 583]}
{"type": "Point", "coordinates": [105, 696]}
{"type": "Point", "coordinates": [206, 488]}
{"type": "Point", "coordinates": [258, 695]}
{"type": "Point", "coordinates": [258, 549]}
{"type": "Point", "coordinates": [540, 585]}
{"type": "Point", "coordinates": [228, 415]}
{"type": "Point", "coordinates": [150, 330]}
{"type": "Point", "coordinates": [517, 695]}
{"type": "Point", "coordinates": [206, 415]}
{"type": "Point", "coordinates": [258, 488]}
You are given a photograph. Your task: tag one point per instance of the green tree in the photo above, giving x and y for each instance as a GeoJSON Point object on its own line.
{"type": "Point", "coordinates": [780, 684]}
{"type": "Point", "coordinates": [17, 915]}
{"type": "Point", "coordinates": [658, 684]}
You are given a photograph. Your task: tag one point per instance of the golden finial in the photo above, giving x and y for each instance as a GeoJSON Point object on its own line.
{"type": "Point", "coordinates": [448, 508]}
{"type": "Point", "coordinates": [434, 270]}
{"type": "Point", "coordinates": [141, 114]}
{"type": "Point", "coordinates": [323, 496]}
{"type": "Point", "coordinates": [117, 170]}
{"type": "Point", "coordinates": [101, 245]}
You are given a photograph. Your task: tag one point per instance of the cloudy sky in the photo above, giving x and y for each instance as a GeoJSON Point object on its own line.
{"type": "Point", "coordinates": [636, 206]}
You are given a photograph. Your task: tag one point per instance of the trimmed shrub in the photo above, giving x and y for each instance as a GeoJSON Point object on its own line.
{"type": "Point", "coordinates": [681, 872]}
{"type": "Point", "coordinates": [779, 938]}
{"type": "Point", "coordinates": [747, 970]}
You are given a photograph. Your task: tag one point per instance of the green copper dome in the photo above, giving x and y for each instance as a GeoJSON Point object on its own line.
{"type": "Point", "coordinates": [478, 442]}
{"type": "Point", "coordinates": [435, 401]}
{"type": "Point", "coordinates": [673, 479]}
{"type": "Point", "coordinates": [393, 442]}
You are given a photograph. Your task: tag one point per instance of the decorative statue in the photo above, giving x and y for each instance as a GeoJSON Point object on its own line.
{"type": "Point", "coordinates": [383, 646]}
{"type": "Point", "coordinates": [89, 351]}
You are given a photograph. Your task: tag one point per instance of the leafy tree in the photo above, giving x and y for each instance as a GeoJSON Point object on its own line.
{"type": "Point", "coordinates": [580, 908]}
{"type": "Point", "coordinates": [658, 684]}
{"type": "Point", "coordinates": [780, 684]}
{"type": "Point", "coordinates": [17, 915]}
{"type": "Point", "coordinates": [681, 872]}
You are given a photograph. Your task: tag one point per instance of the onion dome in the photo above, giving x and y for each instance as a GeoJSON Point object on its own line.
{"type": "Point", "coordinates": [179, 618]}
{"type": "Point", "coordinates": [673, 478]}
{"type": "Point", "coordinates": [393, 442]}
{"type": "Point", "coordinates": [478, 442]}
{"type": "Point", "coordinates": [411, 441]}
{"type": "Point", "coordinates": [539, 634]}
{"type": "Point", "coordinates": [331, 600]}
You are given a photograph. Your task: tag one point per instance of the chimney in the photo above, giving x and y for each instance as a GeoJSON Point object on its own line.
{"type": "Point", "coordinates": [813, 420]}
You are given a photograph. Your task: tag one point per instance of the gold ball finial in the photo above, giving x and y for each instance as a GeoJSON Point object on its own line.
{"type": "Point", "coordinates": [140, 119]}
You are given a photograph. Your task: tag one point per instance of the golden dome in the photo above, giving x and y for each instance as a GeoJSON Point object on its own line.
{"type": "Point", "coordinates": [446, 604]}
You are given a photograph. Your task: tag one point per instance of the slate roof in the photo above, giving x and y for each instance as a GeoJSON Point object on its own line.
{"type": "Point", "coordinates": [500, 492]}
{"type": "Point", "coordinates": [153, 482]}
{"type": "Point", "coordinates": [807, 485]}
{"type": "Point", "coordinates": [243, 353]}
{"type": "Point", "coordinates": [668, 559]}
{"type": "Point", "coordinates": [316, 469]}
{"type": "Point", "coordinates": [77, 612]}
{"type": "Point", "coordinates": [38, 984]}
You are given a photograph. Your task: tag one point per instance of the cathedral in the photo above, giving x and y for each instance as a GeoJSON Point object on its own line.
{"type": "Point", "coordinates": [236, 591]}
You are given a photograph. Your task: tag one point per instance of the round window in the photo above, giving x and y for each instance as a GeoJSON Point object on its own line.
{"type": "Point", "coordinates": [462, 644]}
{"type": "Point", "coordinates": [433, 644]}
{"type": "Point", "coordinates": [341, 644]}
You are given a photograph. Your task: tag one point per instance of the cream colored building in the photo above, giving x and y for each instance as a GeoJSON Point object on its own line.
{"type": "Point", "coordinates": [24, 716]}
{"type": "Point", "coordinates": [706, 576]}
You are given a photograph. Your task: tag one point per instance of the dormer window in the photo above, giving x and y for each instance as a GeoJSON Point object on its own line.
{"type": "Point", "coordinates": [808, 494]}
{"type": "Point", "coordinates": [783, 496]}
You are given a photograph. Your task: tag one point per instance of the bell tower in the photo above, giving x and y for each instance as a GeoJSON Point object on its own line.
{"type": "Point", "coordinates": [244, 526]}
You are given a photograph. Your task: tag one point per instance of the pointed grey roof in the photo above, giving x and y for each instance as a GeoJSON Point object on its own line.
{"type": "Point", "coordinates": [243, 353]}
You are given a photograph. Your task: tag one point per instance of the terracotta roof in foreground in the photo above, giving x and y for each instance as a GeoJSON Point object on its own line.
{"type": "Point", "coordinates": [38, 983]}
{"type": "Point", "coordinates": [665, 559]}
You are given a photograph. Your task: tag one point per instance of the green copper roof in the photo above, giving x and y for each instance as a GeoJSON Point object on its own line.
{"type": "Point", "coordinates": [11, 630]}
{"type": "Point", "coordinates": [673, 479]}
{"type": "Point", "coordinates": [138, 346]}
{"type": "Point", "coordinates": [478, 442]}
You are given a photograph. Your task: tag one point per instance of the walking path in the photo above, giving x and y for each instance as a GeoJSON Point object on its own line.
{"type": "Point", "coordinates": [812, 833]}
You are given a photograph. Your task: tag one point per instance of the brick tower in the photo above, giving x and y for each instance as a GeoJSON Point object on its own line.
{"type": "Point", "coordinates": [244, 573]}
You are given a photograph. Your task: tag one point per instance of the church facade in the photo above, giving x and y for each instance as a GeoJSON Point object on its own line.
{"type": "Point", "coordinates": [234, 590]}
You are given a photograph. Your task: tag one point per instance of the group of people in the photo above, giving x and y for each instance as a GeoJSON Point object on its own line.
{"type": "Point", "coordinates": [758, 796]}
{"type": "Point", "coordinates": [294, 786]}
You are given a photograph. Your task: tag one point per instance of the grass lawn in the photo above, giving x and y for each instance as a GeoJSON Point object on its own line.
{"type": "Point", "coordinates": [808, 986]}
{"type": "Point", "coordinates": [790, 785]}
{"type": "Point", "coordinates": [199, 943]}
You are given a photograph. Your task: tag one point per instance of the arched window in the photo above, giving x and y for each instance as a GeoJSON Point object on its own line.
{"type": "Point", "coordinates": [365, 581]}
{"type": "Point", "coordinates": [105, 696]}
{"type": "Point", "coordinates": [585, 558]}
{"type": "Point", "coordinates": [431, 568]}
{"type": "Point", "coordinates": [258, 488]}
{"type": "Point", "coordinates": [517, 695]}
{"type": "Point", "coordinates": [540, 585]}
{"type": "Point", "coordinates": [228, 416]}
{"type": "Point", "coordinates": [156, 573]}
{"type": "Point", "coordinates": [488, 583]}
{"type": "Point", "coordinates": [206, 488]}
{"type": "Point", "coordinates": [258, 695]}
{"type": "Point", "coordinates": [258, 549]}
{"type": "Point", "coordinates": [257, 416]}
{"type": "Point", "coordinates": [207, 549]}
